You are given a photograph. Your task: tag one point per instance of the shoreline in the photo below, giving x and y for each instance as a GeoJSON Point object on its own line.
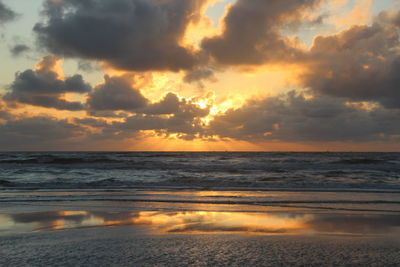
{"type": "Point", "coordinates": [147, 235]}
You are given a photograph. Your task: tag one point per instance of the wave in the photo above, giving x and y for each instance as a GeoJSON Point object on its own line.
{"type": "Point", "coordinates": [107, 182]}
{"type": "Point", "coordinates": [6, 183]}
{"type": "Point", "coordinates": [204, 161]}
{"type": "Point", "coordinates": [361, 161]}
{"type": "Point", "coordinates": [286, 204]}
{"type": "Point", "coordinates": [115, 184]}
{"type": "Point", "coordinates": [57, 160]}
{"type": "Point", "coordinates": [200, 169]}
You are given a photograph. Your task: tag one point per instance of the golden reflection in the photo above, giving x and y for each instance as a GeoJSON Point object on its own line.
{"type": "Point", "coordinates": [55, 225]}
{"type": "Point", "coordinates": [72, 213]}
{"type": "Point", "coordinates": [61, 220]}
{"type": "Point", "coordinates": [169, 222]}
{"type": "Point", "coordinates": [240, 194]}
{"type": "Point", "coordinates": [215, 222]}
{"type": "Point", "coordinates": [207, 222]}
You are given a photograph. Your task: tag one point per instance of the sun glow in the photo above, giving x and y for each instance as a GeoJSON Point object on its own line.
{"type": "Point", "coordinates": [201, 27]}
{"type": "Point", "coordinates": [215, 108]}
{"type": "Point", "coordinates": [53, 64]}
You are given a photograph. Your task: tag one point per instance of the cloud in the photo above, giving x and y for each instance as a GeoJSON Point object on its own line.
{"type": "Point", "coordinates": [171, 115]}
{"type": "Point", "coordinates": [87, 66]}
{"type": "Point", "coordinates": [138, 35]}
{"type": "Point", "coordinates": [172, 104]}
{"type": "Point", "coordinates": [252, 32]}
{"type": "Point", "coordinates": [116, 93]}
{"type": "Point", "coordinates": [361, 63]}
{"type": "Point", "coordinates": [44, 87]}
{"type": "Point", "coordinates": [37, 132]}
{"type": "Point", "coordinates": [6, 14]}
{"type": "Point", "coordinates": [4, 114]}
{"type": "Point", "coordinates": [187, 124]}
{"type": "Point", "coordinates": [200, 74]}
{"type": "Point", "coordinates": [293, 117]}
{"type": "Point", "coordinates": [290, 117]}
{"type": "Point", "coordinates": [359, 14]}
{"type": "Point", "coordinates": [350, 81]}
{"type": "Point", "coordinates": [19, 49]}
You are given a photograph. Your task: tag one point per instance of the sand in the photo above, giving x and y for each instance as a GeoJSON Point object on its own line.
{"type": "Point", "coordinates": [129, 233]}
{"type": "Point", "coordinates": [134, 246]}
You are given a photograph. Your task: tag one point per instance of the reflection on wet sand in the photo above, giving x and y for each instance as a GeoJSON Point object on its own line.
{"type": "Point", "coordinates": [52, 220]}
{"type": "Point", "coordinates": [208, 222]}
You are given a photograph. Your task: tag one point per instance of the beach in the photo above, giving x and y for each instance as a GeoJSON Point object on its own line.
{"type": "Point", "coordinates": [129, 246]}
{"type": "Point", "coordinates": [204, 209]}
{"type": "Point", "coordinates": [196, 228]}
{"type": "Point", "coordinates": [199, 133]}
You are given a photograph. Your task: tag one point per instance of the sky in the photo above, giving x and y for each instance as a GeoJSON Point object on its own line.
{"type": "Point", "coordinates": [200, 75]}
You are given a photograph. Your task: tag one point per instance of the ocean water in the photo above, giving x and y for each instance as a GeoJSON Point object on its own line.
{"type": "Point", "coordinates": [324, 171]}
{"type": "Point", "coordinates": [308, 182]}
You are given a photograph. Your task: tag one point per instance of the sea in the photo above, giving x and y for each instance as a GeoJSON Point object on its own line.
{"type": "Point", "coordinates": [317, 181]}
{"type": "Point", "coordinates": [200, 170]}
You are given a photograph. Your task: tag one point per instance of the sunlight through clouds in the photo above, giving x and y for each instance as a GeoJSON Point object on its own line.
{"type": "Point", "coordinates": [216, 73]}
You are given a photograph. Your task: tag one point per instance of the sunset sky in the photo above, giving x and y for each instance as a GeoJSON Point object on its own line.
{"type": "Point", "coordinates": [200, 75]}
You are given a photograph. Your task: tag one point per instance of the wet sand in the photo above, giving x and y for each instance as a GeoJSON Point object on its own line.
{"type": "Point", "coordinates": [132, 246]}
{"type": "Point", "coordinates": [146, 233]}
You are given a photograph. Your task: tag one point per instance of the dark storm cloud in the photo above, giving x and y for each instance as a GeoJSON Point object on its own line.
{"type": "Point", "coordinates": [43, 87]}
{"type": "Point", "coordinates": [136, 35]}
{"type": "Point", "coordinates": [293, 117]}
{"type": "Point", "coordinates": [116, 93]}
{"type": "Point", "coordinates": [252, 32]}
{"type": "Point", "coordinates": [6, 14]}
{"type": "Point", "coordinates": [361, 63]}
{"type": "Point", "coordinates": [19, 49]}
